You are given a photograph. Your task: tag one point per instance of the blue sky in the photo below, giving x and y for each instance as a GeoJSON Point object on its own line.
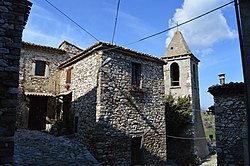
{"type": "Point", "coordinates": [213, 39]}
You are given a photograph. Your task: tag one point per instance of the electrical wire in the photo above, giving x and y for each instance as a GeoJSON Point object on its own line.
{"type": "Point", "coordinates": [187, 138]}
{"type": "Point", "coordinates": [158, 33]}
{"type": "Point", "coordinates": [71, 20]}
{"type": "Point", "coordinates": [185, 22]}
{"type": "Point", "coordinates": [116, 17]}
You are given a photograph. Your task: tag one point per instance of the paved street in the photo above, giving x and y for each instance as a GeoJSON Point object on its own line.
{"type": "Point", "coordinates": [38, 148]}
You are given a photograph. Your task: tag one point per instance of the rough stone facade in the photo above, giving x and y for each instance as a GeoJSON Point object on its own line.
{"type": "Point", "coordinates": [113, 115]}
{"type": "Point", "coordinates": [13, 17]}
{"type": "Point", "coordinates": [181, 79]}
{"type": "Point", "coordinates": [43, 87]}
{"type": "Point", "coordinates": [71, 49]}
{"type": "Point", "coordinates": [230, 115]}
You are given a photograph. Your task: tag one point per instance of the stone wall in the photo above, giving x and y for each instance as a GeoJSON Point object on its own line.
{"type": "Point", "coordinates": [110, 113]}
{"type": "Point", "coordinates": [70, 48]}
{"type": "Point", "coordinates": [230, 115]}
{"type": "Point", "coordinates": [83, 88]}
{"type": "Point", "coordinates": [13, 17]}
{"type": "Point", "coordinates": [124, 113]}
{"type": "Point", "coordinates": [32, 85]}
{"type": "Point", "coordinates": [188, 86]}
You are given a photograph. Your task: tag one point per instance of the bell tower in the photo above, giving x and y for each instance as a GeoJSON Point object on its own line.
{"type": "Point", "coordinates": [181, 79]}
{"type": "Point", "coordinates": [181, 70]}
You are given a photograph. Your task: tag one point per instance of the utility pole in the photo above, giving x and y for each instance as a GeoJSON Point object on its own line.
{"type": "Point", "coordinates": [243, 22]}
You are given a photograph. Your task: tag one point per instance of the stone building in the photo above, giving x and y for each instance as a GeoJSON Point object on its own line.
{"type": "Point", "coordinates": [117, 104]}
{"type": "Point", "coordinates": [37, 84]}
{"type": "Point", "coordinates": [230, 118]}
{"type": "Point", "coordinates": [13, 17]}
{"type": "Point", "coordinates": [181, 79]}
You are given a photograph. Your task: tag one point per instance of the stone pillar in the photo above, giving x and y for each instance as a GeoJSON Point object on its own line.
{"type": "Point", "coordinates": [13, 17]}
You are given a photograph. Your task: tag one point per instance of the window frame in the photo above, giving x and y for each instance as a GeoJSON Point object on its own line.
{"type": "Point", "coordinates": [68, 75]}
{"type": "Point", "coordinates": [175, 74]}
{"type": "Point", "coordinates": [40, 68]}
{"type": "Point", "coordinates": [136, 74]}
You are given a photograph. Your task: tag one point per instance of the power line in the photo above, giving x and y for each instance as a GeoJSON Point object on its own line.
{"type": "Point", "coordinates": [158, 33]}
{"type": "Point", "coordinates": [117, 11]}
{"type": "Point", "coordinates": [186, 138]}
{"type": "Point", "coordinates": [71, 20]}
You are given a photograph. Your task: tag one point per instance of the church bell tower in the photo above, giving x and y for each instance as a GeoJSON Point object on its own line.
{"type": "Point", "coordinates": [181, 71]}
{"type": "Point", "coordinates": [181, 79]}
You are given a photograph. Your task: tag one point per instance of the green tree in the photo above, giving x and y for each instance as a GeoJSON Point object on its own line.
{"type": "Point", "coordinates": [178, 113]}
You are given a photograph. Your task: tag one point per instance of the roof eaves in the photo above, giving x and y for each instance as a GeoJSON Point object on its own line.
{"type": "Point", "coordinates": [69, 44]}
{"type": "Point", "coordinates": [107, 47]}
{"type": "Point", "coordinates": [47, 48]}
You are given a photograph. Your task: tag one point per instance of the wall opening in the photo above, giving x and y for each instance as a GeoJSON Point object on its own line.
{"type": "Point", "coordinates": [175, 74]}
{"type": "Point", "coordinates": [136, 151]}
{"type": "Point", "coordinates": [37, 113]}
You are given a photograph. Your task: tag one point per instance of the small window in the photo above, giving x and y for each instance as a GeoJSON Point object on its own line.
{"type": "Point", "coordinates": [68, 76]}
{"type": "Point", "coordinates": [40, 68]}
{"type": "Point", "coordinates": [175, 74]}
{"type": "Point", "coordinates": [136, 74]}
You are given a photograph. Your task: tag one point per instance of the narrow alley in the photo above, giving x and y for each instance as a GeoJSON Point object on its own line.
{"type": "Point", "coordinates": [39, 148]}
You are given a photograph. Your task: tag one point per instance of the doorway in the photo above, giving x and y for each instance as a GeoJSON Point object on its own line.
{"type": "Point", "coordinates": [37, 113]}
{"type": "Point", "coordinates": [136, 151]}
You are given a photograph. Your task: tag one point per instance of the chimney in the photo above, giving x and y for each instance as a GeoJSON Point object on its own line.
{"type": "Point", "coordinates": [222, 78]}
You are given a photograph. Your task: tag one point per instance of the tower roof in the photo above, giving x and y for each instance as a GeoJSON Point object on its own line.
{"type": "Point", "coordinates": [177, 46]}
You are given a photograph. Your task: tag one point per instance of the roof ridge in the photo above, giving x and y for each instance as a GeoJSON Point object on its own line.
{"type": "Point", "coordinates": [70, 44]}
{"type": "Point", "coordinates": [24, 43]}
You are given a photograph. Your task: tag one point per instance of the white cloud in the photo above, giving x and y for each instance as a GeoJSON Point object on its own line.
{"type": "Point", "coordinates": [203, 33]}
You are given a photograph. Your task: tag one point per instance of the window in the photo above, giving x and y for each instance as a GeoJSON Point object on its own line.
{"type": "Point", "coordinates": [136, 74]}
{"type": "Point", "coordinates": [174, 74]}
{"type": "Point", "coordinates": [40, 68]}
{"type": "Point", "coordinates": [68, 76]}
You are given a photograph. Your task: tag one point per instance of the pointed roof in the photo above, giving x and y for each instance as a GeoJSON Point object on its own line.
{"type": "Point", "coordinates": [177, 46]}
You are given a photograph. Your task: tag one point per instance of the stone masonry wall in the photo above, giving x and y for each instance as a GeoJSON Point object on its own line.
{"type": "Point", "coordinates": [13, 17]}
{"type": "Point", "coordinates": [188, 86]}
{"type": "Point", "coordinates": [83, 88]}
{"type": "Point", "coordinates": [39, 84]}
{"type": "Point", "coordinates": [123, 113]}
{"type": "Point", "coordinates": [36, 85]}
{"type": "Point", "coordinates": [230, 115]}
{"type": "Point", "coordinates": [70, 48]}
{"type": "Point", "coordinates": [111, 114]}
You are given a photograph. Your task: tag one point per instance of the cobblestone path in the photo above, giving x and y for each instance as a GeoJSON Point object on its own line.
{"type": "Point", "coordinates": [38, 148]}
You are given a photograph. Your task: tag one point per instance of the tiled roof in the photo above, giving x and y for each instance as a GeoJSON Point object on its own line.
{"type": "Point", "coordinates": [68, 43]}
{"type": "Point", "coordinates": [46, 48]}
{"type": "Point", "coordinates": [230, 88]}
{"type": "Point", "coordinates": [105, 46]}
